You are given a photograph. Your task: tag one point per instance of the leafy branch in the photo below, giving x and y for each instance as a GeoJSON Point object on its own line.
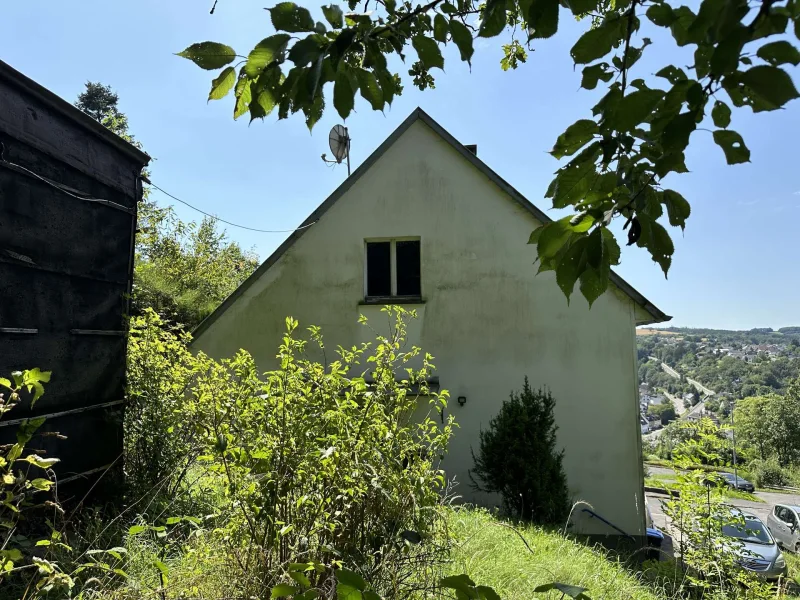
{"type": "Point", "coordinates": [637, 134]}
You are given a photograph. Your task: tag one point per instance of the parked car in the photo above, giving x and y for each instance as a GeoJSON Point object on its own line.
{"type": "Point", "coordinates": [737, 483]}
{"type": "Point", "coordinates": [761, 553]}
{"type": "Point", "coordinates": [655, 538]}
{"type": "Point", "coordinates": [783, 524]}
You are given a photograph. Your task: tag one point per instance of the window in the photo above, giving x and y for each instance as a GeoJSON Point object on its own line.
{"type": "Point", "coordinates": [393, 269]}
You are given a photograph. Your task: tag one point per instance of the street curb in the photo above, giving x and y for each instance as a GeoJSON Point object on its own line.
{"type": "Point", "coordinates": [662, 491]}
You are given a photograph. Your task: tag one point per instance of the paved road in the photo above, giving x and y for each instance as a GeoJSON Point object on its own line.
{"type": "Point", "coordinates": [759, 509]}
{"type": "Point", "coordinates": [673, 373]}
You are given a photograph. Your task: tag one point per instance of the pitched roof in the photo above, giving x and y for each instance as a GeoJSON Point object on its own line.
{"type": "Point", "coordinates": [417, 115]}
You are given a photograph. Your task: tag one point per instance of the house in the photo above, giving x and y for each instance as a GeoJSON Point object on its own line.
{"type": "Point", "coordinates": [423, 222]}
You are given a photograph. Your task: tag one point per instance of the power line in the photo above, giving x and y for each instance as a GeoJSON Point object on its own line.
{"type": "Point", "coordinates": [223, 220]}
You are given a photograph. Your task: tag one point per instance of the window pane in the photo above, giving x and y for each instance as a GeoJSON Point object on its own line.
{"type": "Point", "coordinates": [408, 268]}
{"type": "Point", "coordinates": [379, 269]}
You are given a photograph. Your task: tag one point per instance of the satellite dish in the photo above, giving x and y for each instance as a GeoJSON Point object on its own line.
{"type": "Point", "coordinates": [339, 141]}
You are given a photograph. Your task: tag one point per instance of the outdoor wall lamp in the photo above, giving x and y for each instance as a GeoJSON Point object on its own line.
{"type": "Point", "coordinates": [462, 400]}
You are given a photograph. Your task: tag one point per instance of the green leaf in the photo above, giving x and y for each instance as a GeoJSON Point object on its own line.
{"type": "Point", "coordinates": [676, 134]}
{"type": "Point", "coordinates": [370, 90]}
{"type": "Point", "coordinates": [733, 146]}
{"type": "Point", "coordinates": [209, 55]}
{"type": "Point", "coordinates": [633, 109]}
{"type": "Point", "coordinates": [42, 463]}
{"type": "Point", "coordinates": [440, 28]}
{"type": "Point", "coordinates": [725, 57]}
{"type": "Point", "coordinates": [222, 84]}
{"type": "Point", "coordinates": [41, 484]}
{"type": "Point", "coordinates": [581, 7]}
{"type": "Point", "coordinates": [594, 283]}
{"type": "Point", "coordinates": [300, 578]}
{"type": "Point", "coordinates": [779, 53]}
{"type": "Point", "coordinates": [268, 95]}
{"type": "Point", "coordinates": [678, 208]}
{"type": "Point", "coordinates": [462, 38]}
{"type": "Point", "coordinates": [266, 51]}
{"type": "Point", "coordinates": [487, 593]}
{"type": "Point", "coordinates": [573, 591]}
{"type": "Point", "coordinates": [660, 245]}
{"type": "Point", "coordinates": [428, 51]}
{"type": "Point", "coordinates": [661, 14]}
{"type": "Point", "coordinates": [351, 579]}
{"type": "Point", "coordinates": [244, 95]}
{"type": "Point", "coordinates": [702, 60]}
{"type": "Point", "coordinates": [334, 15]}
{"type": "Point", "coordinates": [574, 138]}
{"type": "Point", "coordinates": [346, 592]}
{"type": "Point", "coordinates": [596, 42]}
{"type": "Point", "coordinates": [5, 383]}
{"type": "Point", "coordinates": [721, 114]}
{"type": "Point", "coordinates": [163, 568]}
{"type": "Point", "coordinates": [308, 49]}
{"type": "Point", "coordinates": [671, 161]}
{"type": "Point", "coordinates": [493, 18]}
{"type": "Point", "coordinates": [771, 85]}
{"type": "Point", "coordinates": [672, 74]}
{"type": "Point", "coordinates": [34, 375]}
{"type": "Point", "coordinates": [137, 529]}
{"type": "Point", "coordinates": [684, 17]}
{"type": "Point", "coordinates": [343, 94]}
{"type": "Point", "coordinates": [611, 247]}
{"type": "Point", "coordinates": [543, 18]}
{"type": "Point", "coordinates": [594, 73]}
{"type": "Point", "coordinates": [461, 583]}
{"type": "Point", "coordinates": [283, 590]}
{"type": "Point", "coordinates": [27, 428]}
{"type": "Point", "coordinates": [552, 238]}
{"type": "Point", "coordinates": [288, 16]}
{"type": "Point", "coordinates": [571, 265]}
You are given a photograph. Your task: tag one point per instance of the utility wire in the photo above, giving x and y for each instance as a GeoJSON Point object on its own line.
{"type": "Point", "coordinates": [147, 181]}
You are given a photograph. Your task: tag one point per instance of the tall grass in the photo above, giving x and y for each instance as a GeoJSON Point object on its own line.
{"type": "Point", "coordinates": [493, 554]}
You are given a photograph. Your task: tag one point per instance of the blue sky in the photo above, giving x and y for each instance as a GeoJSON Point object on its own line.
{"type": "Point", "coordinates": [736, 266]}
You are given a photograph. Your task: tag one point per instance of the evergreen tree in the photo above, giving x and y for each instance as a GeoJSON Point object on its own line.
{"type": "Point", "coordinates": [519, 460]}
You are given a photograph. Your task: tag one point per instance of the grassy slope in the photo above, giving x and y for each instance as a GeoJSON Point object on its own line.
{"type": "Point", "coordinates": [494, 555]}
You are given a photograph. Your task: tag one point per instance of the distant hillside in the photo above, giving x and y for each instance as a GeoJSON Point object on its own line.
{"type": "Point", "coordinates": [759, 335]}
{"type": "Point", "coordinates": [733, 363]}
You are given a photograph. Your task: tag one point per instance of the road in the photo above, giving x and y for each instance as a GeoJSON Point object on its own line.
{"type": "Point", "coordinates": [673, 373]}
{"type": "Point", "coordinates": [761, 510]}
{"type": "Point", "coordinates": [677, 403]}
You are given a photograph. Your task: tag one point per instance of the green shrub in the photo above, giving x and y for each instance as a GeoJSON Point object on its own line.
{"type": "Point", "coordinates": [768, 473]}
{"type": "Point", "coordinates": [160, 443]}
{"type": "Point", "coordinates": [517, 458]}
{"type": "Point", "coordinates": [319, 465]}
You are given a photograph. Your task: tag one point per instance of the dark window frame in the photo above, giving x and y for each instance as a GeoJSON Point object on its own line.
{"type": "Point", "coordinates": [393, 279]}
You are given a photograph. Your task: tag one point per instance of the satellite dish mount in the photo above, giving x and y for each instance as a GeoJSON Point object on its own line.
{"type": "Point", "coordinates": [339, 141]}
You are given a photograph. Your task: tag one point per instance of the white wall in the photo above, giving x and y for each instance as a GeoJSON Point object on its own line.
{"type": "Point", "coordinates": [488, 319]}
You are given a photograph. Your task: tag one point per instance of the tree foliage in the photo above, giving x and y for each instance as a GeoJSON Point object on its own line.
{"type": "Point", "coordinates": [517, 458]}
{"type": "Point", "coordinates": [769, 425]}
{"type": "Point", "coordinates": [618, 157]}
{"type": "Point", "coordinates": [184, 271]}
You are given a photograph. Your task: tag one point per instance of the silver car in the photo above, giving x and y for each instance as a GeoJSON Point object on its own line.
{"type": "Point", "coordinates": [761, 554]}
{"type": "Point", "coordinates": [783, 524]}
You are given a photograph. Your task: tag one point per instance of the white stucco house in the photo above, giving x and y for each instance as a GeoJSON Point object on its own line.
{"type": "Point", "coordinates": [425, 223]}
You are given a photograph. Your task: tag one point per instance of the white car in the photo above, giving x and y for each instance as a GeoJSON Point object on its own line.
{"type": "Point", "coordinates": [783, 524]}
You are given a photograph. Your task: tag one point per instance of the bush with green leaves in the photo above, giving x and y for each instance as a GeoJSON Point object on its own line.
{"type": "Point", "coordinates": [321, 461]}
{"type": "Point", "coordinates": [517, 458]}
{"type": "Point", "coordinates": [768, 473]}
{"type": "Point", "coordinates": [160, 443]}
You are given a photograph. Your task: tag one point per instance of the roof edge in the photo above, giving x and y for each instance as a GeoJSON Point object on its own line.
{"type": "Point", "coordinates": [64, 108]}
{"type": "Point", "coordinates": [417, 114]}
{"type": "Point", "coordinates": [658, 315]}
